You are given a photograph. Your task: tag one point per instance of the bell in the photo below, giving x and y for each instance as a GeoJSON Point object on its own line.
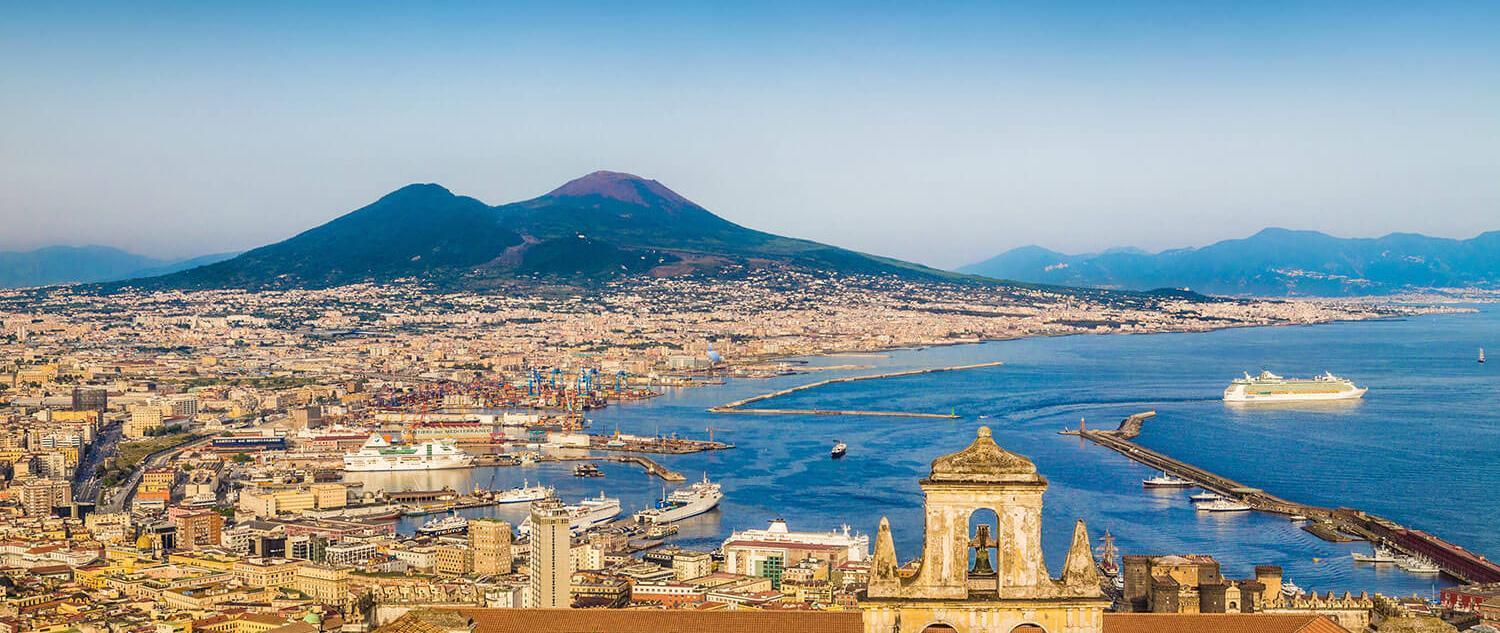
{"type": "Point", "coordinates": [982, 563]}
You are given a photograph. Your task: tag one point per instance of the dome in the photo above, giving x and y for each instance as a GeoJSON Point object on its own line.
{"type": "Point", "coordinates": [983, 462]}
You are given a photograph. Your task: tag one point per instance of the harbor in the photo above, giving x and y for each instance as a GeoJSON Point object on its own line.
{"type": "Point", "coordinates": [1332, 524]}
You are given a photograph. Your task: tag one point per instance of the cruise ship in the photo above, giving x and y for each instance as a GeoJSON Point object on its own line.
{"type": "Point", "coordinates": [588, 513]}
{"type": "Point", "coordinates": [1268, 387]}
{"type": "Point", "coordinates": [379, 455]}
{"type": "Point", "coordinates": [683, 503]}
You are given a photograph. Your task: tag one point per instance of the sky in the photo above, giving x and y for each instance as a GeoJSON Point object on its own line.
{"type": "Point", "coordinates": [942, 133]}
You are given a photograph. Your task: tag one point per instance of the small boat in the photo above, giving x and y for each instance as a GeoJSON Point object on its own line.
{"type": "Point", "coordinates": [1205, 497]}
{"type": "Point", "coordinates": [451, 524]}
{"type": "Point", "coordinates": [1166, 481]}
{"type": "Point", "coordinates": [1223, 505]}
{"type": "Point", "coordinates": [1380, 555]}
{"type": "Point", "coordinates": [587, 470]}
{"type": "Point", "coordinates": [1297, 518]}
{"type": "Point", "coordinates": [839, 449]}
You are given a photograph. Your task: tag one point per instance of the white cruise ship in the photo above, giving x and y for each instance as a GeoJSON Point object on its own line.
{"type": "Point", "coordinates": [683, 503]}
{"type": "Point", "coordinates": [587, 514]}
{"type": "Point", "coordinates": [379, 455]}
{"type": "Point", "coordinates": [1268, 387]}
{"type": "Point", "coordinates": [525, 493]}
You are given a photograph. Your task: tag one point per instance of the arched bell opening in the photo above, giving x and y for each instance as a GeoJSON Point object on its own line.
{"type": "Point", "coordinates": [984, 550]}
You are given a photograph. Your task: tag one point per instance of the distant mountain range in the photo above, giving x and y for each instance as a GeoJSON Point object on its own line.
{"type": "Point", "coordinates": [86, 264]}
{"type": "Point", "coordinates": [1273, 262]}
{"type": "Point", "coordinates": [601, 226]}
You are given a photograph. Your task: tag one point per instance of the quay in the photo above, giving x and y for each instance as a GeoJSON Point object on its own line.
{"type": "Point", "coordinates": [652, 467]}
{"type": "Point", "coordinates": [1332, 524]}
{"type": "Point", "coordinates": [738, 405]}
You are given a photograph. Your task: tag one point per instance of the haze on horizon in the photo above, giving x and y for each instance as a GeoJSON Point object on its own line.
{"type": "Point", "coordinates": [941, 134]}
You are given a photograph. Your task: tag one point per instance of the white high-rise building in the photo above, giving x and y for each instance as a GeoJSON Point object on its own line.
{"type": "Point", "coordinates": [551, 546]}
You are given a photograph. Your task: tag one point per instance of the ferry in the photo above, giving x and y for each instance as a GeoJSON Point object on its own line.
{"type": "Point", "coordinates": [379, 455]}
{"type": "Point", "coordinates": [1223, 505]}
{"type": "Point", "coordinates": [683, 503]}
{"type": "Point", "coordinates": [1268, 387]}
{"type": "Point", "coordinates": [524, 494]}
{"type": "Point", "coordinates": [1380, 555]}
{"type": "Point", "coordinates": [451, 524]}
{"type": "Point", "coordinates": [839, 449]}
{"type": "Point", "coordinates": [1205, 496]}
{"type": "Point", "coordinates": [587, 514]}
{"type": "Point", "coordinates": [1166, 481]}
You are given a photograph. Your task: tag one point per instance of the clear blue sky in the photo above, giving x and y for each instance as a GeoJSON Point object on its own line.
{"type": "Point", "coordinates": [941, 133]}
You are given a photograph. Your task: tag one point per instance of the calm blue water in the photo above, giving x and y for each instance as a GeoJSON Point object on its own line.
{"type": "Point", "coordinates": [1422, 448]}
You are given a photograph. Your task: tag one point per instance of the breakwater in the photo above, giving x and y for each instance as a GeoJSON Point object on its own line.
{"type": "Point", "coordinates": [738, 406]}
{"type": "Point", "coordinates": [1332, 524]}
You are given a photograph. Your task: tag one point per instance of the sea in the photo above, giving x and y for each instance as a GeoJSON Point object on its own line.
{"type": "Point", "coordinates": [1421, 448]}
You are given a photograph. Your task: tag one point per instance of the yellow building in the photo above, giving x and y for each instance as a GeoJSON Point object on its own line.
{"type": "Point", "coordinates": [943, 592]}
{"type": "Point", "coordinates": [452, 560]}
{"type": "Point", "coordinates": [489, 539]}
{"type": "Point", "coordinates": [327, 585]}
{"type": "Point", "coordinates": [329, 495]}
{"type": "Point", "coordinates": [267, 572]}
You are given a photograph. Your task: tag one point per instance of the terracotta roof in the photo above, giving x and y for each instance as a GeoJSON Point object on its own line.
{"type": "Point", "coordinates": [1218, 623]}
{"type": "Point", "coordinates": [656, 621]}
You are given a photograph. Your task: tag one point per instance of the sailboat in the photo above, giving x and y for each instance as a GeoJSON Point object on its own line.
{"type": "Point", "coordinates": [1481, 354]}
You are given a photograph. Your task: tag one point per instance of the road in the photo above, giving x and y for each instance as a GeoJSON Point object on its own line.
{"type": "Point", "coordinates": [86, 477]}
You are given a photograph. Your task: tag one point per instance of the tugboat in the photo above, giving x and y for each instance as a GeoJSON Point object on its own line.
{"type": "Point", "coordinates": [587, 470]}
{"type": "Point", "coordinates": [839, 448]}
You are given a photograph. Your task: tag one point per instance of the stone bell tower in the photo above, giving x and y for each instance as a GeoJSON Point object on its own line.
{"type": "Point", "coordinates": [1013, 592]}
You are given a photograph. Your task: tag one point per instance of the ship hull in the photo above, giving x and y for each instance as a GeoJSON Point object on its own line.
{"type": "Point", "coordinates": [1239, 395]}
{"type": "Point", "coordinates": [356, 467]}
{"type": "Point", "coordinates": [679, 513]}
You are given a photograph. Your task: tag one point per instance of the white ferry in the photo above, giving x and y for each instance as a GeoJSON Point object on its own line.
{"type": "Point", "coordinates": [1223, 505]}
{"type": "Point", "coordinates": [683, 503]}
{"type": "Point", "coordinates": [587, 514]}
{"type": "Point", "coordinates": [524, 494]}
{"type": "Point", "coordinates": [379, 455]}
{"type": "Point", "coordinates": [1268, 387]}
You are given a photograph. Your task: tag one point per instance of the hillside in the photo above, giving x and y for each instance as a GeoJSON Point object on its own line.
{"type": "Point", "coordinates": [85, 264]}
{"type": "Point", "coordinates": [1273, 262]}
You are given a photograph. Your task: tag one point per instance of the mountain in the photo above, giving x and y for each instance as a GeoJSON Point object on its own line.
{"type": "Point", "coordinates": [600, 226]}
{"type": "Point", "coordinates": [1273, 262]}
{"type": "Point", "coordinates": [85, 264]}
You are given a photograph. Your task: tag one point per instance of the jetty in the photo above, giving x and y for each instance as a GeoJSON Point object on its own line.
{"type": "Point", "coordinates": [1331, 524]}
{"type": "Point", "coordinates": [650, 465]}
{"type": "Point", "coordinates": [738, 406]}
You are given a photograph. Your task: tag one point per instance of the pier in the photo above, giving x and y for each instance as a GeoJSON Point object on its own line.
{"type": "Point", "coordinates": [738, 405]}
{"type": "Point", "coordinates": [1331, 524]}
{"type": "Point", "coordinates": [652, 467]}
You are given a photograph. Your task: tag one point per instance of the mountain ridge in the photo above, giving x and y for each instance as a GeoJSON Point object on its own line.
{"type": "Point", "coordinates": [64, 264]}
{"type": "Point", "coordinates": [1274, 261]}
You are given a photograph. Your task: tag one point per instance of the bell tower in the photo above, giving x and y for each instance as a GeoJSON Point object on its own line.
{"type": "Point", "coordinates": [1012, 591]}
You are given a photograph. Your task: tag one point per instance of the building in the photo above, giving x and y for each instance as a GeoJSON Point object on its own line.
{"type": "Point", "coordinates": [40, 496]}
{"type": "Point", "coordinates": [143, 419]}
{"type": "Point", "coordinates": [689, 565]}
{"type": "Point", "coordinates": [1014, 594]}
{"type": "Point", "coordinates": [489, 539]}
{"type": "Point", "coordinates": [90, 399]}
{"type": "Point", "coordinates": [199, 529]}
{"type": "Point", "coordinates": [551, 549]}
{"type": "Point", "coordinates": [452, 560]}
{"type": "Point", "coordinates": [323, 583]}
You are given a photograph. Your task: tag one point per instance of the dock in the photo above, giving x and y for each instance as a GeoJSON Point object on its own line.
{"type": "Point", "coordinates": [738, 406]}
{"type": "Point", "coordinates": [650, 465]}
{"type": "Point", "coordinates": [1331, 524]}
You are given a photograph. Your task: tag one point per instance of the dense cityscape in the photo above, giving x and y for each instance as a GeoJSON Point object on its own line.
{"type": "Point", "coordinates": [176, 460]}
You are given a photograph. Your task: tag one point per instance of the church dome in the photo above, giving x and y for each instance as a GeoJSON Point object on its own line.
{"type": "Point", "coordinates": [983, 462]}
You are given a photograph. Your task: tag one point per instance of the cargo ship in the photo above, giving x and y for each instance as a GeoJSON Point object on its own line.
{"type": "Point", "coordinates": [683, 503]}
{"type": "Point", "coordinates": [1268, 387]}
{"type": "Point", "coordinates": [587, 514]}
{"type": "Point", "coordinates": [379, 455]}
